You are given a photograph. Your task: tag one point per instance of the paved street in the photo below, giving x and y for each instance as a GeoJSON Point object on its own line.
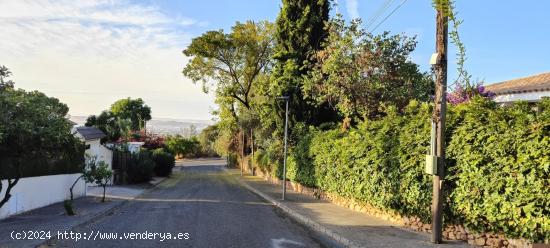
{"type": "Point", "coordinates": [199, 202]}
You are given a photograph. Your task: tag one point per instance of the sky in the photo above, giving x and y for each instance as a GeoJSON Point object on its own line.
{"type": "Point", "coordinates": [91, 53]}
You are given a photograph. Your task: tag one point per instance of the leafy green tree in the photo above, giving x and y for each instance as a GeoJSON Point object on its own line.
{"type": "Point", "coordinates": [106, 122]}
{"type": "Point", "coordinates": [207, 139]}
{"type": "Point", "coordinates": [100, 175]}
{"type": "Point", "coordinates": [181, 146]}
{"type": "Point", "coordinates": [4, 74]}
{"type": "Point", "coordinates": [34, 127]}
{"type": "Point", "coordinates": [124, 116]}
{"type": "Point", "coordinates": [133, 109]}
{"type": "Point", "coordinates": [359, 73]}
{"type": "Point", "coordinates": [300, 32]}
{"type": "Point", "coordinates": [231, 62]}
{"type": "Point", "coordinates": [233, 65]}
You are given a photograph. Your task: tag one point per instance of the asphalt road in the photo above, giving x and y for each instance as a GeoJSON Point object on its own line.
{"type": "Point", "coordinates": [199, 202]}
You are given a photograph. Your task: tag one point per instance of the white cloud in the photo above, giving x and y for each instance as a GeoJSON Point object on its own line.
{"type": "Point", "coordinates": [90, 53]}
{"type": "Point", "coordinates": [352, 7]}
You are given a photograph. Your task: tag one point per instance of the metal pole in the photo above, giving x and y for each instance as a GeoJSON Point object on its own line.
{"type": "Point", "coordinates": [242, 155]}
{"type": "Point", "coordinates": [439, 120]}
{"type": "Point", "coordinates": [252, 147]}
{"type": "Point", "coordinates": [284, 160]}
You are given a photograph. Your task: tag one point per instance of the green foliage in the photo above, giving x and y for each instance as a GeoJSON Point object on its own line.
{"type": "Point", "coordinates": [502, 169]}
{"type": "Point", "coordinates": [448, 9]}
{"type": "Point", "coordinates": [106, 122]}
{"type": "Point", "coordinates": [300, 33]}
{"type": "Point", "coordinates": [299, 166]}
{"type": "Point", "coordinates": [233, 61]}
{"type": "Point", "coordinates": [124, 116]}
{"type": "Point", "coordinates": [35, 136]}
{"type": "Point", "coordinates": [164, 161]}
{"type": "Point", "coordinates": [140, 167]}
{"type": "Point", "coordinates": [359, 73]}
{"type": "Point", "coordinates": [207, 140]}
{"type": "Point", "coordinates": [69, 209]}
{"type": "Point", "coordinates": [4, 82]}
{"type": "Point", "coordinates": [497, 165]}
{"type": "Point", "coordinates": [183, 147]}
{"type": "Point", "coordinates": [134, 110]}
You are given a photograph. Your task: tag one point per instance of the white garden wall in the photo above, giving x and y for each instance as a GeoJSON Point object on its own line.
{"type": "Point", "coordinates": [35, 192]}
{"type": "Point", "coordinates": [100, 151]}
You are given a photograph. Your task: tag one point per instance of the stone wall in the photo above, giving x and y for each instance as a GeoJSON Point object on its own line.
{"type": "Point", "coordinates": [451, 232]}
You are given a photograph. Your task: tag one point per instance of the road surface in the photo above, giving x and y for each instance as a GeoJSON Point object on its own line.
{"type": "Point", "coordinates": [198, 206]}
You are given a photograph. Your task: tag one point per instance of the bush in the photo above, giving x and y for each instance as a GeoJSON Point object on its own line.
{"type": "Point", "coordinates": [497, 165]}
{"type": "Point", "coordinates": [502, 158]}
{"type": "Point", "coordinates": [164, 162]}
{"type": "Point", "coordinates": [140, 167]}
{"type": "Point", "coordinates": [183, 147]}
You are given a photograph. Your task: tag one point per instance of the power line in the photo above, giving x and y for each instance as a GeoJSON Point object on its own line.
{"type": "Point", "coordinates": [379, 13]}
{"type": "Point", "coordinates": [388, 16]}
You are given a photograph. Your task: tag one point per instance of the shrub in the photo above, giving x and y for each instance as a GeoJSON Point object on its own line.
{"type": "Point", "coordinates": [164, 162]}
{"type": "Point", "coordinates": [69, 209]}
{"type": "Point", "coordinates": [498, 165]}
{"type": "Point", "coordinates": [502, 178]}
{"type": "Point", "coordinates": [183, 147]}
{"type": "Point", "coordinates": [140, 167]}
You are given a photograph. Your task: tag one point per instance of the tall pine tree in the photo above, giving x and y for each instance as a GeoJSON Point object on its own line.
{"type": "Point", "coordinates": [300, 32]}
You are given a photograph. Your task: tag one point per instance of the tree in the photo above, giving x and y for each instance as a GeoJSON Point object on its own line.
{"type": "Point", "coordinates": [106, 122]}
{"type": "Point", "coordinates": [134, 110]}
{"type": "Point", "coordinates": [99, 174]}
{"type": "Point", "coordinates": [231, 62]}
{"type": "Point", "coordinates": [207, 139]}
{"type": "Point", "coordinates": [360, 73]}
{"type": "Point", "coordinates": [90, 174]}
{"type": "Point", "coordinates": [300, 33]}
{"type": "Point", "coordinates": [181, 146]}
{"type": "Point", "coordinates": [33, 127]}
{"type": "Point", "coordinates": [4, 74]}
{"type": "Point", "coordinates": [124, 117]}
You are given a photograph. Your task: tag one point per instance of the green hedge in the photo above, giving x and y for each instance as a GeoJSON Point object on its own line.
{"type": "Point", "coordinates": [67, 159]}
{"type": "Point", "coordinates": [140, 167]}
{"type": "Point", "coordinates": [497, 165]}
{"type": "Point", "coordinates": [502, 160]}
{"type": "Point", "coordinates": [164, 162]}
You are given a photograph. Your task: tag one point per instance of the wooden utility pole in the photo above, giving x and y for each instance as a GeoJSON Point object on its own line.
{"type": "Point", "coordinates": [439, 123]}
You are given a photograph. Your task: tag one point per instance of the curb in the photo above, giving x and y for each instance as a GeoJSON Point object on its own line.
{"type": "Point", "coordinates": [301, 218]}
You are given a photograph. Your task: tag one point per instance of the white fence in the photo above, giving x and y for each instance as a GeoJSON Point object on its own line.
{"type": "Point", "coordinates": [35, 192]}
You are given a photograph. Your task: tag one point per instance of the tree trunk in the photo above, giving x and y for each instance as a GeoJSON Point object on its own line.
{"type": "Point", "coordinates": [104, 186]}
{"type": "Point", "coordinates": [74, 184]}
{"type": "Point", "coordinates": [7, 195]}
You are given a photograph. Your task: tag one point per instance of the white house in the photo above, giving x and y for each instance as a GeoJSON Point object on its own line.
{"type": "Point", "coordinates": [530, 89]}
{"type": "Point", "coordinates": [92, 137]}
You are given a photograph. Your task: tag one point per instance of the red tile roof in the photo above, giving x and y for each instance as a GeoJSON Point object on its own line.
{"type": "Point", "coordinates": [540, 82]}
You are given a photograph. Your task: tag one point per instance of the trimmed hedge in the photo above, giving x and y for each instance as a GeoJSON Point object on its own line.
{"type": "Point", "coordinates": [497, 165]}
{"type": "Point", "coordinates": [140, 167]}
{"type": "Point", "coordinates": [164, 162]}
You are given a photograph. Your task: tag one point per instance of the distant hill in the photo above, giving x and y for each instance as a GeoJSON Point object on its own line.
{"type": "Point", "coordinates": [163, 125]}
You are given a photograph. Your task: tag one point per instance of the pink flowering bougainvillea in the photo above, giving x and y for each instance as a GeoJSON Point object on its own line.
{"type": "Point", "coordinates": [152, 141]}
{"type": "Point", "coordinates": [463, 94]}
